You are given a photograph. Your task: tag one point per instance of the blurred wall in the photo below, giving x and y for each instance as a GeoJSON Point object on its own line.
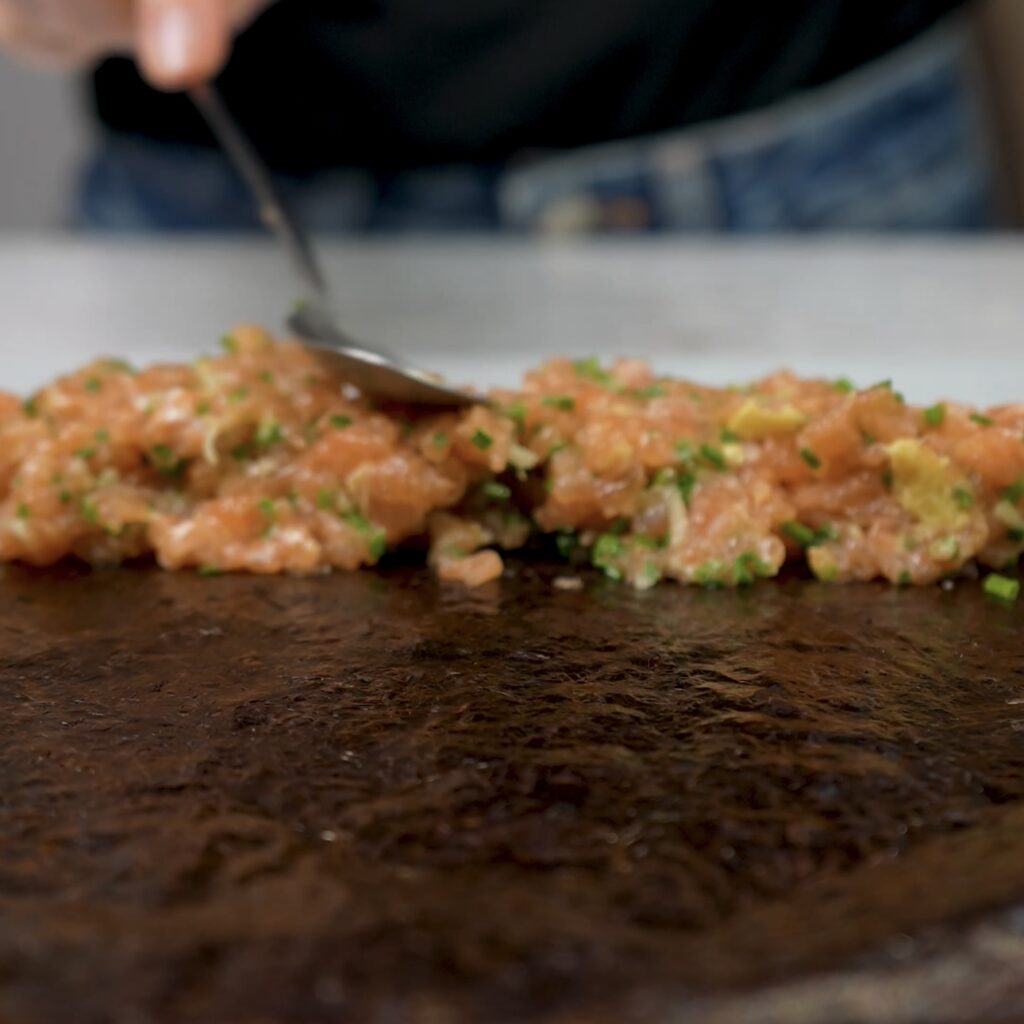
{"type": "Point", "coordinates": [41, 137]}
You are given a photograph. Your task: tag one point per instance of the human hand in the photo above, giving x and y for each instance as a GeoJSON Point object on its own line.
{"type": "Point", "coordinates": [178, 43]}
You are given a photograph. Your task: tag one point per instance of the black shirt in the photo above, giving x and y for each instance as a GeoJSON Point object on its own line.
{"type": "Point", "coordinates": [390, 84]}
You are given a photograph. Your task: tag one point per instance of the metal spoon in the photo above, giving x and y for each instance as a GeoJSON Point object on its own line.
{"type": "Point", "coordinates": [375, 373]}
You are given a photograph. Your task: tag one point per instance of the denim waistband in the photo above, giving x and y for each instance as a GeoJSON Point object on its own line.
{"type": "Point", "coordinates": [893, 146]}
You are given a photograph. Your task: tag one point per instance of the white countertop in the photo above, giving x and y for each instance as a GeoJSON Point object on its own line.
{"type": "Point", "coordinates": [942, 318]}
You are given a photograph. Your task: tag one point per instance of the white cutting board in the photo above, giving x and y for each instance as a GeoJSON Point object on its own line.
{"type": "Point", "coordinates": [942, 318]}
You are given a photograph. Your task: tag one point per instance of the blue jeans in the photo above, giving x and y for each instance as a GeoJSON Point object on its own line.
{"type": "Point", "coordinates": [892, 146]}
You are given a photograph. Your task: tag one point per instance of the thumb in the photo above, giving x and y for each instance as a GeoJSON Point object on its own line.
{"type": "Point", "coordinates": [181, 43]}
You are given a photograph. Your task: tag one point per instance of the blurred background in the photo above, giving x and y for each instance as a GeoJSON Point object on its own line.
{"type": "Point", "coordinates": [576, 117]}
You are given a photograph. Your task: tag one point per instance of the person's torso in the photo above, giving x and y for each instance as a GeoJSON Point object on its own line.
{"type": "Point", "coordinates": [400, 83]}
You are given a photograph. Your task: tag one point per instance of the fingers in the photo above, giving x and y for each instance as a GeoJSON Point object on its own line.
{"type": "Point", "coordinates": [182, 43]}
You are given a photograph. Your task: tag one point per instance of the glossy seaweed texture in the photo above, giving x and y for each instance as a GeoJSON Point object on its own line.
{"type": "Point", "coordinates": [373, 798]}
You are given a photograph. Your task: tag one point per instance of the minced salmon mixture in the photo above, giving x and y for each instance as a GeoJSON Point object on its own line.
{"type": "Point", "coordinates": [257, 460]}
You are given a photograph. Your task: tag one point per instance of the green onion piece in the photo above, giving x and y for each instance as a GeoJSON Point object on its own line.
{"type": "Point", "coordinates": [567, 542]}
{"type": "Point", "coordinates": [868, 439]}
{"type": "Point", "coordinates": [887, 479]}
{"type": "Point", "coordinates": [982, 420]}
{"type": "Point", "coordinates": [166, 461]}
{"type": "Point", "coordinates": [324, 499]}
{"type": "Point", "coordinates": [1002, 587]}
{"type": "Point", "coordinates": [23, 511]}
{"type": "Point", "coordinates": [803, 535]}
{"type": "Point", "coordinates": [266, 376]}
{"type": "Point", "coordinates": [357, 521]}
{"type": "Point", "coordinates": [440, 439]}
{"type": "Point", "coordinates": [663, 477]}
{"type": "Point", "coordinates": [728, 436]}
{"type": "Point", "coordinates": [516, 411]}
{"type": "Point", "coordinates": [710, 574]}
{"type": "Point", "coordinates": [266, 506]}
{"type": "Point", "coordinates": [202, 407]}
{"type": "Point", "coordinates": [118, 366]}
{"type": "Point", "coordinates": [482, 440]}
{"type": "Point", "coordinates": [93, 384]}
{"type": "Point", "coordinates": [605, 551]}
{"type": "Point", "coordinates": [89, 511]}
{"type": "Point", "coordinates": [30, 408]}
{"type": "Point", "coordinates": [340, 421]}
{"type": "Point", "coordinates": [86, 453]}
{"type": "Point", "coordinates": [496, 491]}
{"type": "Point", "coordinates": [209, 570]}
{"type": "Point", "coordinates": [714, 456]}
{"type": "Point", "coordinates": [686, 483]}
{"type": "Point", "coordinates": [945, 549]}
{"type": "Point", "coordinates": [228, 344]}
{"type": "Point", "coordinates": [935, 415]}
{"type": "Point", "coordinates": [748, 567]}
{"type": "Point", "coordinates": [269, 433]}
{"type": "Point", "coordinates": [963, 498]}
{"type": "Point", "coordinates": [565, 403]}
{"type": "Point", "coordinates": [904, 579]}
{"type": "Point", "coordinates": [239, 394]}
{"type": "Point", "coordinates": [64, 496]}
{"type": "Point", "coordinates": [591, 368]}
{"type": "Point", "coordinates": [102, 436]}
{"type": "Point", "coordinates": [1014, 492]}
{"type": "Point", "coordinates": [810, 458]}
{"type": "Point", "coordinates": [378, 546]}
{"type": "Point", "coordinates": [843, 385]}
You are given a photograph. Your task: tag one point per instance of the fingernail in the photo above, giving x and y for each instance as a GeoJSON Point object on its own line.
{"type": "Point", "coordinates": [176, 34]}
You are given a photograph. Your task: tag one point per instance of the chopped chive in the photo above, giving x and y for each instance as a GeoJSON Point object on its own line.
{"type": "Point", "coordinates": [23, 511]}
{"type": "Point", "coordinates": [748, 567]}
{"type": "Point", "coordinates": [686, 482]}
{"type": "Point", "coordinates": [566, 542]}
{"type": "Point", "coordinates": [564, 403]}
{"type": "Point", "coordinates": [266, 376]}
{"type": "Point", "coordinates": [378, 546]}
{"type": "Point", "coordinates": [64, 496]}
{"type": "Point", "coordinates": [887, 384]}
{"type": "Point", "coordinates": [803, 535]}
{"type": "Point", "coordinates": [496, 490]}
{"type": "Point", "coordinates": [619, 526]}
{"type": "Point", "coordinates": [357, 521]}
{"type": "Point", "coordinates": [642, 540]}
{"type": "Point", "coordinates": [728, 436]}
{"type": "Point", "coordinates": [102, 436]}
{"type": "Point", "coordinates": [516, 411]}
{"type": "Point", "coordinates": [240, 394]}
{"type": "Point", "coordinates": [1001, 587]}
{"type": "Point", "coordinates": [482, 440]}
{"type": "Point", "coordinates": [903, 579]}
{"type": "Point", "coordinates": [982, 420]}
{"type": "Point", "coordinates": [710, 574]}
{"type": "Point", "coordinates": [228, 344]}
{"type": "Point", "coordinates": [605, 551]}
{"type": "Point", "coordinates": [963, 498]}
{"type": "Point", "coordinates": [209, 570]}
{"type": "Point", "coordinates": [269, 433]}
{"type": "Point", "coordinates": [868, 439]}
{"type": "Point", "coordinates": [843, 385]}
{"type": "Point", "coordinates": [93, 384]}
{"type": "Point", "coordinates": [202, 407]}
{"type": "Point", "coordinates": [591, 368]}
{"type": "Point", "coordinates": [440, 439]}
{"type": "Point", "coordinates": [30, 408]}
{"type": "Point", "coordinates": [89, 511]}
{"type": "Point", "coordinates": [1014, 492]}
{"type": "Point", "coordinates": [266, 506]}
{"type": "Point", "coordinates": [713, 455]}
{"type": "Point", "coordinates": [663, 477]}
{"type": "Point", "coordinates": [810, 458]}
{"type": "Point", "coordinates": [324, 499]}
{"type": "Point", "coordinates": [651, 391]}
{"type": "Point", "coordinates": [166, 461]}
{"type": "Point", "coordinates": [935, 415]}
{"type": "Point", "coordinates": [86, 453]}
{"type": "Point", "coordinates": [945, 549]}
{"type": "Point", "coordinates": [887, 479]}
{"type": "Point", "coordinates": [118, 366]}
{"type": "Point", "coordinates": [340, 421]}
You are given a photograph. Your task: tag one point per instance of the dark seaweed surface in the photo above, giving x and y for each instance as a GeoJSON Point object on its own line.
{"type": "Point", "coordinates": [369, 798]}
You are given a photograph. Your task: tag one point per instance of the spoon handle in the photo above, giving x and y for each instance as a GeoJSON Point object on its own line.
{"type": "Point", "coordinates": [274, 209]}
